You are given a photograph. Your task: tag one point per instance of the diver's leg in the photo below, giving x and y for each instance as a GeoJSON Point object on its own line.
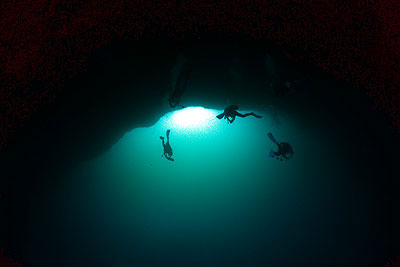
{"type": "Point", "coordinates": [168, 131]}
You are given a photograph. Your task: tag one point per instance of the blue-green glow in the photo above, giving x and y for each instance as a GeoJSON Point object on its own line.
{"type": "Point", "coordinates": [222, 202]}
{"type": "Point", "coordinates": [191, 119]}
{"type": "Point", "coordinates": [221, 189]}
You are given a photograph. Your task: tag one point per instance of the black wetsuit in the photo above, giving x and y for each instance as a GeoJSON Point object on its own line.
{"type": "Point", "coordinates": [231, 112]}
{"type": "Point", "coordinates": [180, 86]}
{"type": "Point", "coordinates": [285, 151]}
{"type": "Point", "coordinates": [167, 147]}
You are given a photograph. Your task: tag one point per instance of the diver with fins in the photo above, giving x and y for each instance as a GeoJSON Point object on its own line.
{"type": "Point", "coordinates": [285, 150]}
{"type": "Point", "coordinates": [180, 85]}
{"type": "Point", "coordinates": [167, 147]}
{"type": "Point", "coordinates": [231, 112]}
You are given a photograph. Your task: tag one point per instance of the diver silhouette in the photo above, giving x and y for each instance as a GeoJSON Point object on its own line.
{"type": "Point", "coordinates": [180, 85]}
{"type": "Point", "coordinates": [230, 113]}
{"type": "Point", "coordinates": [285, 150]}
{"type": "Point", "coordinates": [167, 147]}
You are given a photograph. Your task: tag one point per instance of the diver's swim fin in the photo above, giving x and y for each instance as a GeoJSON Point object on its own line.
{"type": "Point", "coordinates": [169, 158]}
{"type": "Point", "coordinates": [168, 131]}
{"type": "Point", "coordinates": [257, 116]}
{"type": "Point", "coordinates": [272, 138]}
{"type": "Point", "coordinates": [220, 116]}
{"type": "Point", "coordinates": [271, 154]}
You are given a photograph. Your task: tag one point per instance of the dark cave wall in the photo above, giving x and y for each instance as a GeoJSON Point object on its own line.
{"type": "Point", "coordinates": [47, 43]}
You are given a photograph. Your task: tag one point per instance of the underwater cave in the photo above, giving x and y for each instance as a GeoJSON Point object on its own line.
{"type": "Point", "coordinates": [99, 191]}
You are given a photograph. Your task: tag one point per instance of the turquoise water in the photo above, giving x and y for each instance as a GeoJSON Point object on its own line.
{"type": "Point", "coordinates": [223, 201]}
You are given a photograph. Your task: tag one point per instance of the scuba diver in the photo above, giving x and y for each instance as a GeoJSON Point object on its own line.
{"type": "Point", "coordinates": [167, 147]}
{"type": "Point", "coordinates": [284, 149]}
{"type": "Point", "coordinates": [284, 89]}
{"type": "Point", "coordinates": [287, 88]}
{"type": "Point", "coordinates": [230, 113]}
{"type": "Point", "coordinates": [180, 85]}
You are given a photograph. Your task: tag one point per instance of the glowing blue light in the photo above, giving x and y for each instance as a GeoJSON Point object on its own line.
{"type": "Point", "coordinates": [191, 119]}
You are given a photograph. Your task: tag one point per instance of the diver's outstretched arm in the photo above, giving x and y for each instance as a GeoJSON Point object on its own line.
{"type": "Point", "coordinates": [248, 114]}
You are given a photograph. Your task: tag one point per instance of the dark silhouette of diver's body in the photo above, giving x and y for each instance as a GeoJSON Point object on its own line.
{"type": "Point", "coordinates": [285, 150]}
{"type": "Point", "coordinates": [180, 86]}
{"type": "Point", "coordinates": [230, 113]}
{"type": "Point", "coordinates": [167, 147]}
